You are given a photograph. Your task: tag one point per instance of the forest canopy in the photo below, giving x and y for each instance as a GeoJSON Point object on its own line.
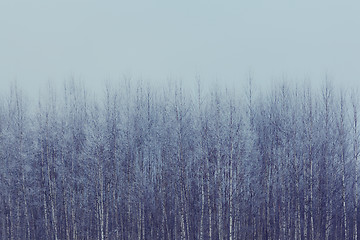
{"type": "Point", "coordinates": [143, 163]}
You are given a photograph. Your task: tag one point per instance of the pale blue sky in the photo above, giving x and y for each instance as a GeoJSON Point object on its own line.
{"type": "Point", "coordinates": [155, 40]}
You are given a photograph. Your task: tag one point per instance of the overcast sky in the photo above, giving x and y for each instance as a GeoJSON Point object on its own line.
{"type": "Point", "coordinates": [94, 41]}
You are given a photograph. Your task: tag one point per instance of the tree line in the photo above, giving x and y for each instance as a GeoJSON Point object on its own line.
{"type": "Point", "coordinates": [143, 163]}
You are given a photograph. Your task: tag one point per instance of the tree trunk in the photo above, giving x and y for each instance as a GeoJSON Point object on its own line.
{"type": "Point", "coordinates": [209, 201]}
{"type": "Point", "coordinates": [101, 200]}
{"type": "Point", "coordinates": [355, 162]}
{"type": "Point", "coordinates": [201, 237]}
{"type": "Point", "coordinates": [52, 196]}
{"type": "Point", "coordinates": [231, 230]}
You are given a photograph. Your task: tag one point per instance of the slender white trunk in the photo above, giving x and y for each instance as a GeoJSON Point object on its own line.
{"type": "Point", "coordinates": [143, 222]}
{"type": "Point", "coordinates": [106, 230]}
{"type": "Point", "coordinates": [67, 230]}
{"type": "Point", "coordinates": [356, 200]}
{"type": "Point", "coordinates": [209, 202]}
{"type": "Point", "coordinates": [298, 220]}
{"type": "Point", "coordinates": [306, 200]}
{"type": "Point", "coordinates": [231, 231]}
{"type": "Point", "coordinates": [187, 218]}
{"type": "Point", "coordinates": [129, 233]}
{"type": "Point", "coordinates": [166, 228]}
{"type": "Point", "coordinates": [53, 214]}
{"type": "Point", "coordinates": [18, 217]}
{"type": "Point", "coordinates": [164, 214]}
{"type": "Point", "coordinates": [328, 220]}
{"type": "Point", "coordinates": [73, 220]}
{"type": "Point", "coordinates": [355, 149]}
{"type": "Point", "coordinates": [182, 217]}
{"type": "Point", "coordinates": [344, 202]}
{"type": "Point", "coordinates": [52, 196]}
{"type": "Point", "coordinates": [47, 230]}
{"type": "Point", "coordinates": [101, 202]}
{"type": "Point", "coordinates": [106, 211]}
{"type": "Point", "coordinates": [28, 233]}
{"type": "Point", "coordinates": [22, 160]}
{"type": "Point", "coordinates": [219, 200]}
{"type": "Point", "coordinates": [312, 231]}
{"type": "Point", "coordinates": [139, 221]}
{"type": "Point", "coordinates": [343, 162]}
{"type": "Point", "coordinates": [202, 209]}
{"type": "Point", "coordinates": [11, 224]}
{"type": "Point", "coordinates": [175, 221]}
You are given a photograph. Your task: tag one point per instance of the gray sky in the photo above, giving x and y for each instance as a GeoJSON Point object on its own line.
{"type": "Point", "coordinates": [94, 41]}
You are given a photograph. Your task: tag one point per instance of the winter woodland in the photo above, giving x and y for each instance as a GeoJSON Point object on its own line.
{"type": "Point", "coordinates": [211, 163]}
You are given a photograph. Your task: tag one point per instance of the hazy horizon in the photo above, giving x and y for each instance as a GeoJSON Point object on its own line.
{"type": "Point", "coordinates": [221, 42]}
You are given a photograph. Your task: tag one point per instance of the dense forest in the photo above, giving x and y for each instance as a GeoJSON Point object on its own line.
{"type": "Point", "coordinates": [136, 162]}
